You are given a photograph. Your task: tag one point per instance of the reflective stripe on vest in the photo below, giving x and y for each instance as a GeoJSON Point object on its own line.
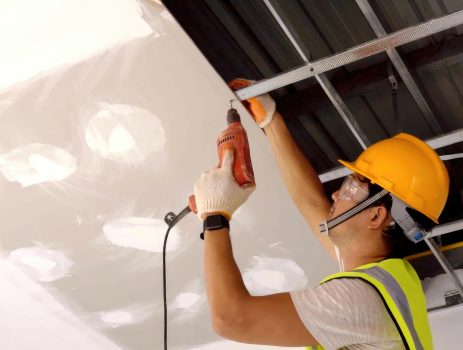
{"type": "Point", "coordinates": [394, 280]}
{"type": "Point", "coordinates": [400, 300]}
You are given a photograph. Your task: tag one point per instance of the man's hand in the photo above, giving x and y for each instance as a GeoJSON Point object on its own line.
{"type": "Point", "coordinates": [262, 108]}
{"type": "Point", "coordinates": [217, 191]}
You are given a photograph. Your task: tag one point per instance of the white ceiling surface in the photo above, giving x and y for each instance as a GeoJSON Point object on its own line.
{"type": "Point", "coordinates": [92, 156]}
{"type": "Point", "coordinates": [38, 36]}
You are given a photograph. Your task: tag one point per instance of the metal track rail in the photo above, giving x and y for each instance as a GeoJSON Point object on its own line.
{"type": "Point", "coordinates": [354, 54]}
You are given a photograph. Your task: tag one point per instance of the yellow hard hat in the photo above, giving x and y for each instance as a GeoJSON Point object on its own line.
{"type": "Point", "coordinates": [409, 169]}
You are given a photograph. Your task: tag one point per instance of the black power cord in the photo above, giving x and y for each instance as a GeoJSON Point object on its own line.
{"type": "Point", "coordinates": [171, 220]}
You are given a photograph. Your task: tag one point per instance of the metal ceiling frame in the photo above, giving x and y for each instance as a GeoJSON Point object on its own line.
{"type": "Point", "coordinates": [354, 54]}
{"type": "Point", "coordinates": [451, 138]}
{"type": "Point", "coordinates": [437, 142]}
{"type": "Point", "coordinates": [446, 228]}
{"type": "Point", "coordinates": [399, 65]}
{"type": "Point", "coordinates": [350, 85]}
{"type": "Point", "coordinates": [385, 43]}
{"type": "Point", "coordinates": [322, 79]}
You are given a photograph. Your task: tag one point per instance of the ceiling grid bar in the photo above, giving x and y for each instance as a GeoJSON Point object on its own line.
{"type": "Point", "coordinates": [354, 54]}
{"type": "Point", "coordinates": [399, 65]}
{"type": "Point", "coordinates": [324, 82]}
{"type": "Point", "coordinates": [444, 263]}
{"type": "Point", "coordinates": [443, 229]}
{"type": "Point", "coordinates": [435, 143]}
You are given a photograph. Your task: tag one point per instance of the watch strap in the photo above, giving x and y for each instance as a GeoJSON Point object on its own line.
{"type": "Point", "coordinates": [214, 222]}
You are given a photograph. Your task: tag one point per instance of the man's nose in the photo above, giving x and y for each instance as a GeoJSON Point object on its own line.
{"type": "Point", "coordinates": [335, 196]}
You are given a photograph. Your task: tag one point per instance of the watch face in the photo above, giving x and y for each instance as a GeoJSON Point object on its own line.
{"type": "Point", "coordinates": [215, 222]}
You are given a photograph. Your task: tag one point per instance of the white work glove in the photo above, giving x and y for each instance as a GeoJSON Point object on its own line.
{"type": "Point", "coordinates": [262, 108]}
{"type": "Point", "coordinates": [218, 192]}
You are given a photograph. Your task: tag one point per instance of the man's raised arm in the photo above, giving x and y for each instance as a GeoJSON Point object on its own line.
{"type": "Point", "coordinates": [301, 179]}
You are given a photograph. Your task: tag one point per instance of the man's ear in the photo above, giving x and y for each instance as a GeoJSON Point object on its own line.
{"type": "Point", "coordinates": [377, 215]}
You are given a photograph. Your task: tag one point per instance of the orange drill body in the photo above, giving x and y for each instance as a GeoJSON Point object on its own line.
{"type": "Point", "coordinates": [235, 136]}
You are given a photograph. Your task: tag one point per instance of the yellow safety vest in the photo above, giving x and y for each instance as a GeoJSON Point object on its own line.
{"type": "Point", "coordinates": [399, 286]}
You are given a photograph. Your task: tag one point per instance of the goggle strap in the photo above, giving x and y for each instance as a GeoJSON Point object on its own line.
{"type": "Point", "coordinates": [355, 210]}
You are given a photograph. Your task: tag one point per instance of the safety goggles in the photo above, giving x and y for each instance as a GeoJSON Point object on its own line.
{"type": "Point", "coordinates": [357, 190]}
{"type": "Point", "coordinates": [354, 189]}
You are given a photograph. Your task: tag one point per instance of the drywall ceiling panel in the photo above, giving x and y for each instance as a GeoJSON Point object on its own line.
{"type": "Point", "coordinates": [92, 156]}
{"type": "Point", "coordinates": [39, 36]}
{"type": "Point", "coordinates": [33, 318]}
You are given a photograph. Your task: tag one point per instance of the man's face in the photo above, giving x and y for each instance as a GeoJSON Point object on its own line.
{"type": "Point", "coordinates": [353, 190]}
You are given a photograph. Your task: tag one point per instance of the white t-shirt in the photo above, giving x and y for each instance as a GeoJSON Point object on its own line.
{"type": "Point", "coordinates": [347, 314]}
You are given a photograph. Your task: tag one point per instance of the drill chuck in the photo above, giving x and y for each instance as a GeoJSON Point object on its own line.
{"type": "Point", "coordinates": [233, 116]}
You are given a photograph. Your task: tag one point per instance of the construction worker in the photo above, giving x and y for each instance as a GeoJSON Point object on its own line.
{"type": "Point", "coordinates": [376, 301]}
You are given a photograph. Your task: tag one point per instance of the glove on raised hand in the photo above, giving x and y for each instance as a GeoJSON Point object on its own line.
{"type": "Point", "coordinates": [262, 108]}
{"type": "Point", "coordinates": [217, 190]}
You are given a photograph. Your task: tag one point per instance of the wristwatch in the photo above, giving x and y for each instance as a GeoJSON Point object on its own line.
{"type": "Point", "coordinates": [214, 222]}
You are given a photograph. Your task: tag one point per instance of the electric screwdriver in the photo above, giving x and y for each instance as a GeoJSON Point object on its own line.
{"type": "Point", "coordinates": [234, 135]}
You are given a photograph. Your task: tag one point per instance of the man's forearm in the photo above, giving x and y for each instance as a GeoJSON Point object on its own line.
{"type": "Point", "coordinates": [300, 178]}
{"type": "Point", "coordinates": [224, 284]}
